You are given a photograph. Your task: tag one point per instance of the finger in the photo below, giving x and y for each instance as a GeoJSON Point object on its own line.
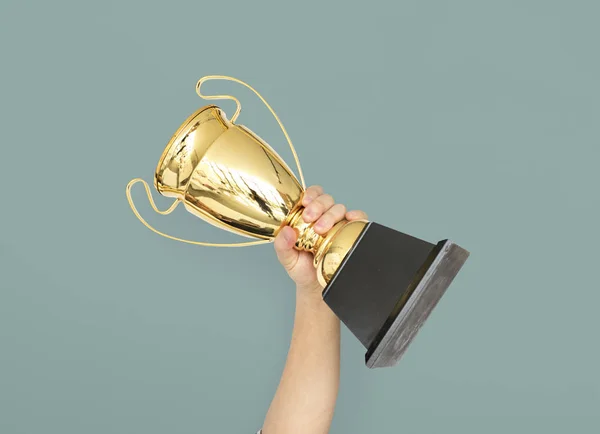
{"type": "Point", "coordinates": [284, 247]}
{"type": "Point", "coordinates": [331, 217]}
{"type": "Point", "coordinates": [317, 207]}
{"type": "Point", "coordinates": [356, 215]}
{"type": "Point", "coordinates": [311, 194]}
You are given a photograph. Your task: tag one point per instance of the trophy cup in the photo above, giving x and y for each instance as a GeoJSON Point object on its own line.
{"type": "Point", "coordinates": [381, 283]}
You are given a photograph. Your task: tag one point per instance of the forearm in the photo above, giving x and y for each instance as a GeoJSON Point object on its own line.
{"type": "Point", "coordinates": [305, 398]}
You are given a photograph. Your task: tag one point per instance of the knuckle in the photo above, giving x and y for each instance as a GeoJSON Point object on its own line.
{"type": "Point", "coordinates": [315, 207]}
{"type": "Point", "coordinates": [341, 208]}
{"type": "Point", "coordinates": [325, 219]}
{"type": "Point", "coordinates": [326, 199]}
{"type": "Point", "coordinates": [314, 210]}
{"type": "Point", "coordinates": [323, 224]}
{"type": "Point", "coordinates": [315, 189]}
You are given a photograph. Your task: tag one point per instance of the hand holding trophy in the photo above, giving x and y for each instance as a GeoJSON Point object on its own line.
{"type": "Point", "coordinates": [323, 213]}
{"type": "Point", "coordinates": [381, 283]}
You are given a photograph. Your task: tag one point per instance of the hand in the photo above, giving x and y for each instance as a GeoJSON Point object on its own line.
{"type": "Point", "coordinates": [321, 209]}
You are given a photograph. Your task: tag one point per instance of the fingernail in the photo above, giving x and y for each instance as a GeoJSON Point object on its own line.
{"type": "Point", "coordinates": [308, 200]}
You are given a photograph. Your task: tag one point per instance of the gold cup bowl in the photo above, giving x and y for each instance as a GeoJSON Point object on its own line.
{"type": "Point", "coordinates": [228, 176]}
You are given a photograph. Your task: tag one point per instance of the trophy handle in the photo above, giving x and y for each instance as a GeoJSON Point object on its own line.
{"type": "Point", "coordinates": [169, 211]}
{"type": "Point", "coordinates": [239, 108]}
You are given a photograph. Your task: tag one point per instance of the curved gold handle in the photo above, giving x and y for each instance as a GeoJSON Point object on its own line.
{"type": "Point", "coordinates": [169, 211]}
{"type": "Point", "coordinates": [239, 108]}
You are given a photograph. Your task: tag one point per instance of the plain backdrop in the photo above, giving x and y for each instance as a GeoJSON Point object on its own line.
{"type": "Point", "coordinates": [471, 120]}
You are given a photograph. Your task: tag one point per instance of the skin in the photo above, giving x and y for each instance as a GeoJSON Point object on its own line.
{"type": "Point", "coordinates": [305, 398]}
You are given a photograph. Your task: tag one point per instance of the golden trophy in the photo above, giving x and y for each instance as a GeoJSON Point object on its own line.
{"type": "Point", "coordinates": [381, 283]}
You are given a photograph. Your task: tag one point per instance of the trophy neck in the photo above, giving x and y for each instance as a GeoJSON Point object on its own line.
{"type": "Point", "coordinates": [330, 249]}
{"type": "Point", "coordinates": [308, 240]}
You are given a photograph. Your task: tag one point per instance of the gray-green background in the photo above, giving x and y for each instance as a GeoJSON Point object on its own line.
{"type": "Point", "coordinates": [473, 120]}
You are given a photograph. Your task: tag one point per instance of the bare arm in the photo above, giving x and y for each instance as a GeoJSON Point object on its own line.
{"type": "Point", "coordinates": [305, 398]}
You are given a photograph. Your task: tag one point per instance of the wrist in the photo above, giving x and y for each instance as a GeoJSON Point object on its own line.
{"type": "Point", "coordinates": [311, 297]}
{"type": "Point", "coordinates": [311, 307]}
{"type": "Point", "coordinates": [312, 290]}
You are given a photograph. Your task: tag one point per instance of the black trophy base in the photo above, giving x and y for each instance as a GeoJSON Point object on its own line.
{"type": "Point", "coordinates": [387, 286]}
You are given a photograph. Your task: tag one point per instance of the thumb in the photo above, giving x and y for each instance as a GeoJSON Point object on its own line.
{"type": "Point", "coordinates": [284, 247]}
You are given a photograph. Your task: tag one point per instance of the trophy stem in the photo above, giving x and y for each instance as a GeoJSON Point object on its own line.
{"type": "Point", "coordinates": [308, 240]}
{"type": "Point", "coordinates": [330, 249]}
